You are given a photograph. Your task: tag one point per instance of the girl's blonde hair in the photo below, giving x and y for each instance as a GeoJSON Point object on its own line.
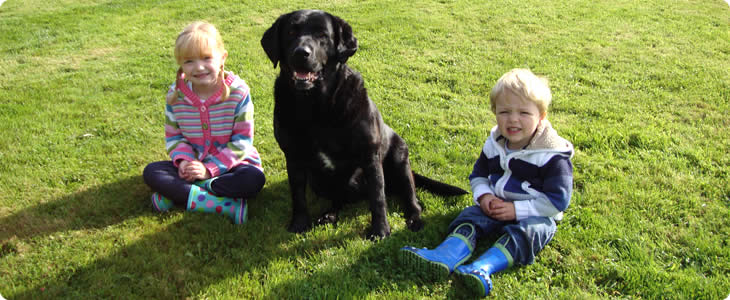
{"type": "Point", "coordinates": [525, 84]}
{"type": "Point", "coordinates": [198, 39]}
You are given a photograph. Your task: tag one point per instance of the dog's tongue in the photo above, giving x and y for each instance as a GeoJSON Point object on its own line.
{"type": "Point", "coordinates": [305, 76]}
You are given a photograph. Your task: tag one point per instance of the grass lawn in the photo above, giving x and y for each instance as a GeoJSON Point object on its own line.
{"type": "Point", "coordinates": [642, 89]}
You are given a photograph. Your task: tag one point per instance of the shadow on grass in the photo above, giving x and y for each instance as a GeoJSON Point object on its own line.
{"type": "Point", "coordinates": [376, 271]}
{"type": "Point", "coordinates": [206, 255]}
{"type": "Point", "coordinates": [97, 207]}
{"type": "Point", "coordinates": [181, 260]}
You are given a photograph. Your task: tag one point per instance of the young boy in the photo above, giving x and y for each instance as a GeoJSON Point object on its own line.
{"type": "Point", "coordinates": [522, 182]}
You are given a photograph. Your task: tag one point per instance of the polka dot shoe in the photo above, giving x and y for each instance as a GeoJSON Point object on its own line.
{"type": "Point", "coordinates": [160, 203]}
{"type": "Point", "coordinates": [201, 200]}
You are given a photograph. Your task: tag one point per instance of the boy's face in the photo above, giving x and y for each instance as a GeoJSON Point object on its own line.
{"type": "Point", "coordinates": [517, 119]}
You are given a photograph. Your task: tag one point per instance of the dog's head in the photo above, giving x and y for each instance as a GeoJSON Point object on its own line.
{"type": "Point", "coordinates": [306, 43]}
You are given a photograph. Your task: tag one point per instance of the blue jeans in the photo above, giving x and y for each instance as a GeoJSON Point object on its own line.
{"type": "Point", "coordinates": [523, 239]}
{"type": "Point", "coordinates": [242, 181]}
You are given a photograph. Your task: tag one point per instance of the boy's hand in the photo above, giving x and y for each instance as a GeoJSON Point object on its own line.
{"type": "Point", "coordinates": [502, 210]}
{"type": "Point", "coordinates": [485, 202]}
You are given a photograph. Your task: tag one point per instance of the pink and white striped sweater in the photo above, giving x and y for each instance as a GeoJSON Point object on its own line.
{"type": "Point", "coordinates": [217, 133]}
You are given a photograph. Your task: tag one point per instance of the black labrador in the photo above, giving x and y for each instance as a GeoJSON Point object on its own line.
{"type": "Point", "coordinates": [331, 133]}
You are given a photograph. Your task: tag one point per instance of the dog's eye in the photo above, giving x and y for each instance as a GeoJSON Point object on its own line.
{"type": "Point", "coordinates": [320, 35]}
{"type": "Point", "coordinates": [292, 32]}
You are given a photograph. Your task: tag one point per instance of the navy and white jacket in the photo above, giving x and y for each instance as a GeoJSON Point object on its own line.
{"type": "Point", "coordinates": [538, 178]}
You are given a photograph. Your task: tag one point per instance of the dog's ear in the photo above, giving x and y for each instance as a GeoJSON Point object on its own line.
{"type": "Point", "coordinates": [346, 41]}
{"type": "Point", "coordinates": [270, 40]}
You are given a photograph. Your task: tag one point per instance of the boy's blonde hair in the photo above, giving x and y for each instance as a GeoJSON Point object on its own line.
{"type": "Point", "coordinates": [197, 40]}
{"type": "Point", "coordinates": [525, 84]}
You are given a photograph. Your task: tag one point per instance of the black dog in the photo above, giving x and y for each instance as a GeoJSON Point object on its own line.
{"type": "Point", "coordinates": [332, 135]}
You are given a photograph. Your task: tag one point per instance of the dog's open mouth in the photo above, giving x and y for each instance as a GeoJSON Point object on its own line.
{"type": "Point", "coordinates": [305, 76]}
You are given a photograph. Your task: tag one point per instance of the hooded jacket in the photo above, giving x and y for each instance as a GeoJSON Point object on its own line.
{"type": "Point", "coordinates": [538, 179]}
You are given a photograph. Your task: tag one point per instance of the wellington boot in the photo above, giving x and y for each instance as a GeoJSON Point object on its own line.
{"type": "Point", "coordinates": [476, 276]}
{"type": "Point", "coordinates": [202, 200]}
{"type": "Point", "coordinates": [437, 264]}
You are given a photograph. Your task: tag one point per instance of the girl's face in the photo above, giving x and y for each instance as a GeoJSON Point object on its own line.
{"type": "Point", "coordinates": [203, 71]}
{"type": "Point", "coordinates": [517, 119]}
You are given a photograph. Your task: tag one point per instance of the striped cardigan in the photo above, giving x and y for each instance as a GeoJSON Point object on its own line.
{"type": "Point", "coordinates": [217, 133]}
{"type": "Point", "coordinates": [537, 179]}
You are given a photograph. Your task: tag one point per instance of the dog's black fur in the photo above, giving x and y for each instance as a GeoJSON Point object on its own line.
{"type": "Point", "coordinates": [332, 135]}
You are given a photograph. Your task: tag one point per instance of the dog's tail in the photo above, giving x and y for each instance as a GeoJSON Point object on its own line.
{"type": "Point", "coordinates": [436, 187]}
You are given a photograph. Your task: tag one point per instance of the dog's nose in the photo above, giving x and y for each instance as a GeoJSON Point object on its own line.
{"type": "Point", "coordinates": [302, 52]}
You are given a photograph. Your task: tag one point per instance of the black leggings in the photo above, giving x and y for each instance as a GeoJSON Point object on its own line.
{"type": "Point", "coordinates": [242, 181]}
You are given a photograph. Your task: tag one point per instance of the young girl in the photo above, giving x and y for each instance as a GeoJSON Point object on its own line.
{"type": "Point", "coordinates": [208, 133]}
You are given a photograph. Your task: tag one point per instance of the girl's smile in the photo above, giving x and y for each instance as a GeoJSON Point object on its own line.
{"type": "Point", "coordinates": [203, 72]}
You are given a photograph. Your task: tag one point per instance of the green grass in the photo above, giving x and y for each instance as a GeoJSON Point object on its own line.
{"type": "Point", "coordinates": [640, 87]}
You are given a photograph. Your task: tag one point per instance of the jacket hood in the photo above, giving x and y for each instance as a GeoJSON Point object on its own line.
{"type": "Point", "coordinates": [545, 138]}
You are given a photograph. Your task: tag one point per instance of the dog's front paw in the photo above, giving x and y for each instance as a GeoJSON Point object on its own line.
{"type": "Point", "coordinates": [414, 224]}
{"type": "Point", "coordinates": [327, 218]}
{"type": "Point", "coordinates": [299, 224]}
{"type": "Point", "coordinates": [378, 233]}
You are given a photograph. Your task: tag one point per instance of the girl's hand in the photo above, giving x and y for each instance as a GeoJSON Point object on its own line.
{"type": "Point", "coordinates": [181, 170]}
{"type": "Point", "coordinates": [485, 203]}
{"type": "Point", "coordinates": [502, 210]}
{"type": "Point", "coordinates": [195, 170]}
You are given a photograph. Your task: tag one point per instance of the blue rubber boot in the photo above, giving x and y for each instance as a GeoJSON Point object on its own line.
{"type": "Point", "coordinates": [476, 276]}
{"type": "Point", "coordinates": [205, 184]}
{"type": "Point", "coordinates": [202, 200]}
{"type": "Point", "coordinates": [160, 203]}
{"type": "Point", "coordinates": [437, 264]}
